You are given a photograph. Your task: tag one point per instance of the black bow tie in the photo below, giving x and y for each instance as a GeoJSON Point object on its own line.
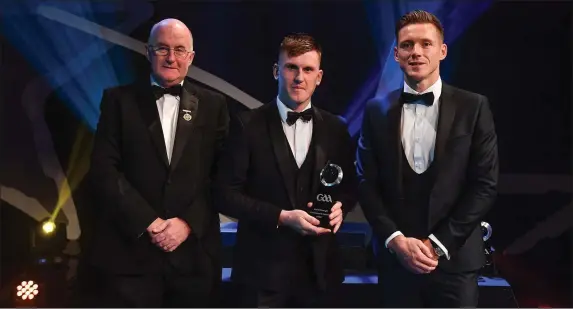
{"type": "Point", "coordinates": [306, 116]}
{"type": "Point", "coordinates": [158, 92]}
{"type": "Point", "coordinates": [424, 99]}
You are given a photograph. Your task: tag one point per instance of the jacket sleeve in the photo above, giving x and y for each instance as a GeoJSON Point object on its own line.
{"type": "Point", "coordinates": [116, 195]}
{"type": "Point", "coordinates": [483, 173]}
{"type": "Point", "coordinates": [369, 182]}
{"type": "Point", "coordinates": [231, 180]}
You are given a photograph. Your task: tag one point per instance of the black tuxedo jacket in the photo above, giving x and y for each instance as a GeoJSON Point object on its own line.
{"type": "Point", "coordinates": [253, 186]}
{"type": "Point", "coordinates": [134, 184]}
{"type": "Point", "coordinates": [467, 173]}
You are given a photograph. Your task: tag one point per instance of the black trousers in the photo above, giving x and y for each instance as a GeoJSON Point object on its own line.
{"type": "Point", "coordinates": [300, 290]}
{"type": "Point", "coordinates": [171, 289]}
{"type": "Point", "coordinates": [287, 298]}
{"type": "Point", "coordinates": [399, 288]}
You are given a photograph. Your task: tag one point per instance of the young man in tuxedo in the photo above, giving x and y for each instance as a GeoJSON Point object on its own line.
{"type": "Point", "coordinates": [428, 170]}
{"type": "Point", "coordinates": [268, 178]}
{"type": "Point", "coordinates": [157, 237]}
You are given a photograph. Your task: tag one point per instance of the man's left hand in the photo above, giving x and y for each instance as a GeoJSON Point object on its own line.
{"type": "Point", "coordinates": [335, 215]}
{"type": "Point", "coordinates": [174, 234]}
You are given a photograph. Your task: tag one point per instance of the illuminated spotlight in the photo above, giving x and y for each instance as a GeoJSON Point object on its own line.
{"type": "Point", "coordinates": [27, 290]}
{"type": "Point", "coordinates": [48, 239]}
{"type": "Point", "coordinates": [48, 227]}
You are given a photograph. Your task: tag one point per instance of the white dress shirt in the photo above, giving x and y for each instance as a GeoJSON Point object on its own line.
{"type": "Point", "coordinates": [298, 135]}
{"type": "Point", "coordinates": [168, 108]}
{"type": "Point", "coordinates": [419, 128]}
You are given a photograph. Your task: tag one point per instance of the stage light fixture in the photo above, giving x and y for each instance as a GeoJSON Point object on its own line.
{"type": "Point", "coordinates": [27, 290]}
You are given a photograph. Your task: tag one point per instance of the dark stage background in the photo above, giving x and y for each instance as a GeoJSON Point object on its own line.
{"type": "Point", "coordinates": [56, 59]}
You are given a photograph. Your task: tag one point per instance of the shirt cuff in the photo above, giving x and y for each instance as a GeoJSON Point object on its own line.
{"type": "Point", "coordinates": [437, 242]}
{"type": "Point", "coordinates": [397, 233]}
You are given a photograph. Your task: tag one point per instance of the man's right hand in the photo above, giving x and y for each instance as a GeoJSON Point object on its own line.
{"type": "Point", "coordinates": [156, 227]}
{"type": "Point", "coordinates": [413, 254]}
{"type": "Point", "coordinates": [301, 222]}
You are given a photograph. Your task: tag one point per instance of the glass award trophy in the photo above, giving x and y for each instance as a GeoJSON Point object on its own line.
{"type": "Point", "coordinates": [330, 177]}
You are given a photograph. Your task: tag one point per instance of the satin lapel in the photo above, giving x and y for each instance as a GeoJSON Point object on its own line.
{"type": "Point", "coordinates": [148, 109]}
{"type": "Point", "coordinates": [188, 110]}
{"type": "Point", "coordinates": [320, 141]}
{"type": "Point", "coordinates": [395, 138]}
{"type": "Point", "coordinates": [447, 113]}
{"type": "Point", "coordinates": [281, 149]}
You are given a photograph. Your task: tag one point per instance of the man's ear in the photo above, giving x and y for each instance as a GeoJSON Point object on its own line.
{"type": "Point", "coordinates": [443, 51]}
{"type": "Point", "coordinates": [147, 55]}
{"type": "Point", "coordinates": [191, 57]}
{"type": "Point", "coordinates": [276, 71]}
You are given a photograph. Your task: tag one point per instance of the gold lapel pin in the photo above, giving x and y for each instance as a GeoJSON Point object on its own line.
{"type": "Point", "coordinates": [187, 115]}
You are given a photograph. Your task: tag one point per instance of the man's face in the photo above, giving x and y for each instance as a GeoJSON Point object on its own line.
{"type": "Point", "coordinates": [170, 69]}
{"type": "Point", "coordinates": [419, 51]}
{"type": "Point", "coordinates": [298, 77]}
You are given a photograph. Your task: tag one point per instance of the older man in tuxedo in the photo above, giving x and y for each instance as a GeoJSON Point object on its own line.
{"type": "Point", "coordinates": [157, 239]}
